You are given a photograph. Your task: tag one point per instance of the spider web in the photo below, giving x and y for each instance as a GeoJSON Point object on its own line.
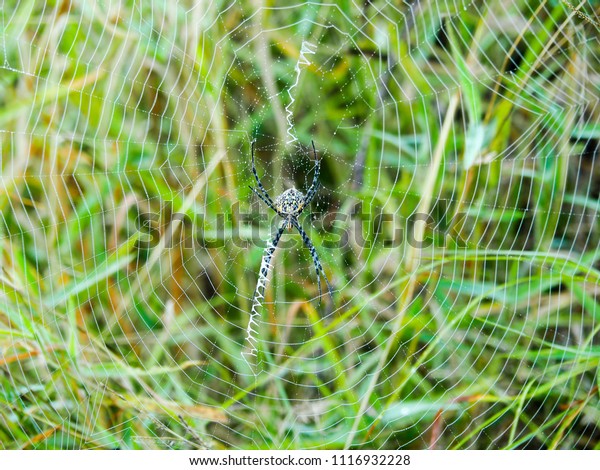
{"type": "Point", "coordinates": [457, 220]}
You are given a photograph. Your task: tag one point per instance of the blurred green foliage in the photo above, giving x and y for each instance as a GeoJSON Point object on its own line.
{"type": "Point", "coordinates": [118, 118]}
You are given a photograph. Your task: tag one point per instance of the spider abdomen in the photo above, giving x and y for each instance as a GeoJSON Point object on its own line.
{"type": "Point", "coordinates": [290, 202]}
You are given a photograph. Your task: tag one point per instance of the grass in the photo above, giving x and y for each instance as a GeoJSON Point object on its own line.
{"type": "Point", "coordinates": [124, 297]}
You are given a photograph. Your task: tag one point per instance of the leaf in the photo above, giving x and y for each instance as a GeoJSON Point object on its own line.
{"type": "Point", "coordinates": [411, 411]}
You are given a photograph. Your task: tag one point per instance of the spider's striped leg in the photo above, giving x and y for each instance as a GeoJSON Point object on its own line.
{"type": "Point", "coordinates": [310, 194]}
{"type": "Point", "coordinates": [259, 293]}
{"type": "Point", "coordinates": [264, 192]}
{"type": "Point", "coordinates": [263, 199]}
{"type": "Point", "coordinates": [315, 258]}
{"type": "Point", "coordinates": [265, 264]}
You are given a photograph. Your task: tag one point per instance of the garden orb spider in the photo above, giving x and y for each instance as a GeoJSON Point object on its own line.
{"type": "Point", "coordinates": [289, 205]}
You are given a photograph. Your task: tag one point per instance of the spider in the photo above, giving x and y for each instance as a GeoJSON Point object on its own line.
{"type": "Point", "coordinates": [289, 205]}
